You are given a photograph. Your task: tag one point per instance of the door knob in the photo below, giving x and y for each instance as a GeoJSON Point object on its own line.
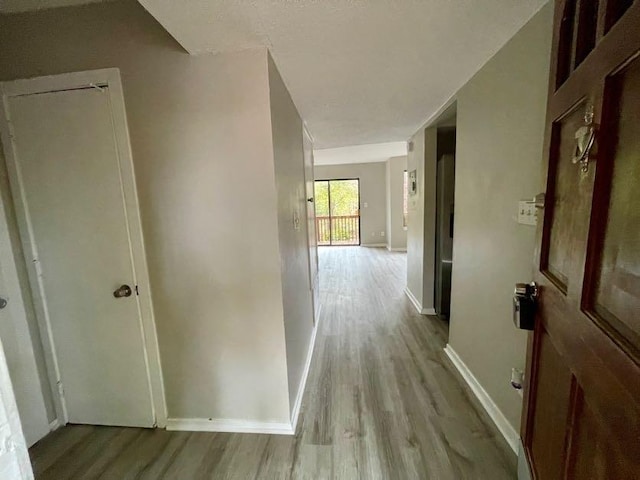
{"type": "Point", "coordinates": [123, 291]}
{"type": "Point", "coordinates": [3, 303]}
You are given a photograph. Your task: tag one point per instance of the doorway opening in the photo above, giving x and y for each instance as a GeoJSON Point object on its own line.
{"type": "Point", "coordinates": [445, 197]}
{"type": "Point", "coordinates": [337, 204]}
{"type": "Point", "coordinates": [87, 301]}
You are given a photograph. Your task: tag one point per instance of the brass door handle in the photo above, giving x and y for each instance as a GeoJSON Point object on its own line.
{"type": "Point", "coordinates": [123, 291]}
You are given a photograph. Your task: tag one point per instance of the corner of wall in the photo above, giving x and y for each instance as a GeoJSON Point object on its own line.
{"type": "Point", "coordinates": [500, 130]}
{"type": "Point", "coordinates": [291, 217]}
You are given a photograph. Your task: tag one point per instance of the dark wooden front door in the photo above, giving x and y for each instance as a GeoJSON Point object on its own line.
{"type": "Point", "coordinates": [582, 406]}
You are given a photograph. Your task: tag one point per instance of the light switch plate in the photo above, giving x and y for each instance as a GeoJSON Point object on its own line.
{"type": "Point", "coordinates": [527, 212]}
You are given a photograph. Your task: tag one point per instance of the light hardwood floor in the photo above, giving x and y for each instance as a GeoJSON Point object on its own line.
{"type": "Point", "coordinates": [382, 402]}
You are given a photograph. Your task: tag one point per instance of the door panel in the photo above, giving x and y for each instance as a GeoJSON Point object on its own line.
{"type": "Point", "coordinates": [582, 403]}
{"type": "Point", "coordinates": [569, 213]}
{"type": "Point", "coordinates": [617, 282]}
{"type": "Point", "coordinates": [553, 378]}
{"type": "Point", "coordinates": [69, 171]}
{"type": "Point", "coordinates": [595, 454]}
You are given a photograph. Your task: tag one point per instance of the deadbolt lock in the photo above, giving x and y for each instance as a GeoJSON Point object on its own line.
{"type": "Point", "coordinates": [525, 303]}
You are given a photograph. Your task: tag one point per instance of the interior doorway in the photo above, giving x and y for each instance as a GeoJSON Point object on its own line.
{"type": "Point", "coordinates": [338, 211]}
{"type": "Point", "coordinates": [445, 198]}
{"type": "Point", "coordinates": [73, 190]}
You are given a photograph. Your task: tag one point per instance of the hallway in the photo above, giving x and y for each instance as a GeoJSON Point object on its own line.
{"type": "Point", "coordinates": [382, 402]}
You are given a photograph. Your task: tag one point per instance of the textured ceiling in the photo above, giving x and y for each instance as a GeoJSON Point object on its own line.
{"type": "Point", "coordinates": [360, 71]}
{"type": "Point", "coordinates": [379, 152]}
{"type": "Point", "coordinates": [14, 6]}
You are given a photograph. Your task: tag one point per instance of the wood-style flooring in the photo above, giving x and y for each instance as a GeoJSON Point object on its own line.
{"type": "Point", "coordinates": [382, 402]}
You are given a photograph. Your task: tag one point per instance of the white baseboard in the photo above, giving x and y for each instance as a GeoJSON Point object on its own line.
{"type": "Point", "coordinates": [373, 245]}
{"type": "Point", "coordinates": [413, 299]}
{"type": "Point", "coordinates": [228, 425]}
{"type": "Point", "coordinates": [303, 381]}
{"type": "Point", "coordinates": [54, 425]}
{"type": "Point", "coordinates": [428, 311]}
{"type": "Point", "coordinates": [244, 426]}
{"type": "Point", "coordinates": [524, 472]}
{"type": "Point", "coordinates": [396, 249]}
{"type": "Point", "coordinates": [506, 429]}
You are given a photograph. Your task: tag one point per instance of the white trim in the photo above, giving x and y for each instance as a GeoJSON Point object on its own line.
{"type": "Point", "coordinates": [372, 245]}
{"type": "Point", "coordinates": [524, 470]}
{"type": "Point", "coordinates": [26, 232]}
{"type": "Point", "coordinates": [431, 121]}
{"type": "Point", "coordinates": [396, 249]}
{"type": "Point", "coordinates": [109, 77]}
{"type": "Point", "coordinates": [506, 429]}
{"type": "Point", "coordinates": [306, 130]}
{"type": "Point", "coordinates": [416, 303]}
{"type": "Point", "coordinates": [317, 307]}
{"type": "Point", "coordinates": [54, 425]}
{"type": "Point", "coordinates": [228, 426]}
{"type": "Point", "coordinates": [303, 381]}
{"type": "Point", "coordinates": [413, 299]}
{"type": "Point", "coordinates": [12, 292]}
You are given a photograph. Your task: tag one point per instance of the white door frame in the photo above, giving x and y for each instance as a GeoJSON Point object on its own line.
{"type": "Point", "coordinates": [14, 456]}
{"type": "Point", "coordinates": [313, 279]}
{"type": "Point", "coordinates": [12, 292]}
{"type": "Point", "coordinates": [110, 78]}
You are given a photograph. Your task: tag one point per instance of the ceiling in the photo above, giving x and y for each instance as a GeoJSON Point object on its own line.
{"type": "Point", "coordinates": [359, 71]}
{"type": "Point", "coordinates": [379, 152]}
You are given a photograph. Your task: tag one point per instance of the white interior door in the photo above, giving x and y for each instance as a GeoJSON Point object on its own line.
{"type": "Point", "coordinates": [14, 458]}
{"type": "Point", "coordinates": [16, 338]}
{"type": "Point", "coordinates": [71, 189]}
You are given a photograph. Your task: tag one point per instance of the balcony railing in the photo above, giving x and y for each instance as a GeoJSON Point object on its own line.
{"type": "Point", "coordinates": [341, 230]}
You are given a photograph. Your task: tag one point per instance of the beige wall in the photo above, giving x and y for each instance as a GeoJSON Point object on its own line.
{"type": "Point", "coordinates": [292, 227]}
{"type": "Point", "coordinates": [373, 217]}
{"type": "Point", "coordinates": [202, 149]}
{"type": "Point", "coordinates": [422, 220]}
{"type": "Point", "coordinates": [501, 115]}
{"type": "Point", "coordinates": [396, 233]}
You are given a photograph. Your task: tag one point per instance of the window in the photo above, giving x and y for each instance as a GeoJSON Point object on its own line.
{"type": "Point", "coordinates": [405, 199]}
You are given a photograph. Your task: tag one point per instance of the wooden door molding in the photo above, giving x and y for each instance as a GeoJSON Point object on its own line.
{"type": "Point", "coordinates": [110, 78]}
